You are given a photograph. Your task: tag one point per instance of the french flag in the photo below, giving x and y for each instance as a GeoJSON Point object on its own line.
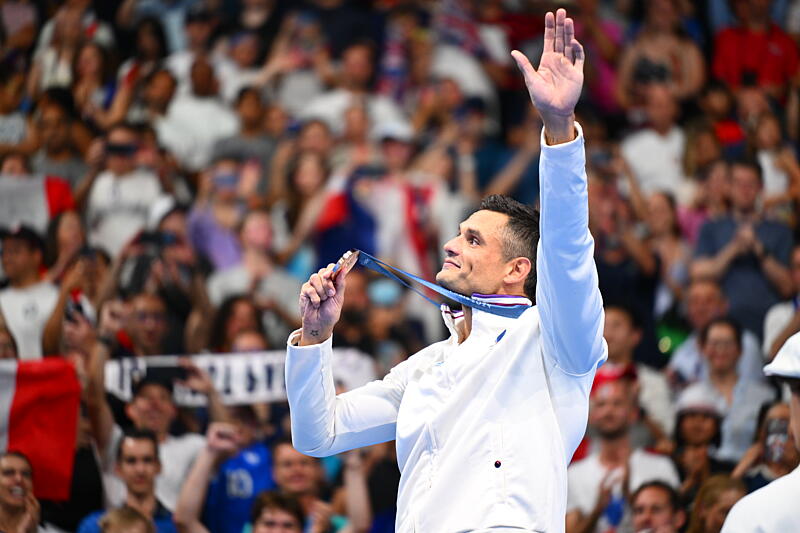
{"type": "Point", "coordinates": [39, 402]}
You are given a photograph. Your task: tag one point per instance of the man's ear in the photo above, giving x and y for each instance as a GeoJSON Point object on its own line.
{"type": "Point", "coordinates": [518, 270]}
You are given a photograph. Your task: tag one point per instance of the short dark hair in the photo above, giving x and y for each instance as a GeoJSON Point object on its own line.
{"type": "Point", "coordinates": [248, 90]}
{"type": "Point", "coordinates": [521, 235]}
{"type": "Point", "coordinates": [138, 434]}
{"type": "Point", "coordinates": [725, 321]}
{"type": "Point", "coordinates": [674, 499]}
{"type": "Point", "coordinates": [751, 163]}
{"type": "Point", "coordinates": [627, 310]}
{"type": "Point", "coordinates": [277, 500]}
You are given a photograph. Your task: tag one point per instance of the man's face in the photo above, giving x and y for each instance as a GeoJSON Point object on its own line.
{"type": "Point", "coordinates": [53, 128]}
{"type": "Point", "coordinates": [474, 261]}
{"type": "Point", "coordinates": [257, 231]}
{"type": "Point", "coordinates": [138, 466]}
{"type": "Point", "coordinates": [721, 348]}
{"type": "Point", "coordinates": [159, 90]}
{"type": "Point", "coordinates": [16, 481]}
{"type": "Point", "coordinates": [276, 521]}
{"type": "Point", "coordinates": [704, 303]}
{"type": "Point", "coordinates": [745, 188]}
{"type": "Point", "coordinates": [251, 110]}
{"type": "Point", "coordinates": [204, 82]}
{"type": "Point", "coordinates": [612, 409]}
{"type": "Point", "coordinates": [152, 408]}
{"type": "Point", "coordinates": [620, 335]}
{"type": "Point", "coordinates": [121, 163]}
{"type": "Point", "coordinates": [357, 65]}
{"type": "Point", "coordinates": [294, 472]}
{"type": "Point", "coordinates": [652, 511]}
{"type": "Point", "coordinates": [19, 258]}
{"type": "Point", "coordinates": [147, 324]}
{"type": "Point", "coordinates": [698, 427]}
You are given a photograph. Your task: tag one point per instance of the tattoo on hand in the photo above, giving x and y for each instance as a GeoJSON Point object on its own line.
{"type": "Point", "coordinates": [314, 333]}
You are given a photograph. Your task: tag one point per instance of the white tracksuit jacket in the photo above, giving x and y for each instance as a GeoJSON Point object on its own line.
{"type": "Point", "coordinates": [484, 429]}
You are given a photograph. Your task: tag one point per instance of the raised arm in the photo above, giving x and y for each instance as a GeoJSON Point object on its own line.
{"type": "Point", "coordinates": [322, 422]}
{"type": "Point", "coordinates": [567, 293]}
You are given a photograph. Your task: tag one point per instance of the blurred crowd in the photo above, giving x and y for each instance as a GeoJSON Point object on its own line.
{"type": "Point", "coordinates": [171, 172]}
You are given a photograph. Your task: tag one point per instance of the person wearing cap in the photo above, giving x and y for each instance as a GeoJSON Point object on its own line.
{"type": "Point", "coordinates": [597, 497]}
{"type": "Point", "coordinates": [775, 507]}
{"type": "Point", "coordinates": [27, 302]}
{"type": "Point", "coordinates": [698, 434]}
{"type": "Point", "coordinates": [486, 421]}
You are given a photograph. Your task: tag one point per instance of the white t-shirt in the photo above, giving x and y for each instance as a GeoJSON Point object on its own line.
{"type": "Point", "coordinates": [119, 206]}
{"type": "Point", "coordinates": [26, 312]}
{"type": "Point", "coordinates": [177, 455]}
{"type": "Point", "coordinates": [656, 161]}
{"type": "Point", "coordinates": [769, 509]}
{"type": "Point", "coordinates": [586, 475]}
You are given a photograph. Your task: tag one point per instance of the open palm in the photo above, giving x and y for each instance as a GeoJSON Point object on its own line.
{"type": "Point", "coordinates": [556, 86]}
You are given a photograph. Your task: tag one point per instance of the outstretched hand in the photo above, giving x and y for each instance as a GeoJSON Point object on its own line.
{"type": "Point", "coordinates": [556, 86]}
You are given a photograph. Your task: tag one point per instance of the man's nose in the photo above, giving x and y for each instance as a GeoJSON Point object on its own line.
{"type": "Point", "coordinates": [451, 247]}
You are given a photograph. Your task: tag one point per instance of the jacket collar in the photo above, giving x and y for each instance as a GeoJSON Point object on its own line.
{"type": "Point", "coordinates": [482, 322]}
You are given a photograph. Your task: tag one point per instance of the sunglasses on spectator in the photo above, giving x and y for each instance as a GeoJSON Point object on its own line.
{"type": "Point", "coordinates": [143, 316]}
{"type": "Point", "coordinates": [121, 149]}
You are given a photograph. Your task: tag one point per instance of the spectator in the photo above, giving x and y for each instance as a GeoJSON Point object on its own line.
{"type": "Point", "coordinates": [226, 478]}
{"type": "Point", "coordinates": [597, 484]}
{"type": "Point", "coordinates": [704, 303]}
{"type": "Point", "coordinates": [251, 143]}
{"type": "Point", "coordinates": [715, 499]}
{"type": "Point", "coordinates": [774, 454]}
{"type": "Point", "coordinates": [780, 166]}
{"type": "Point", "coordinates": [19, 509]}
{"type": "Point", "coordinates": [756, 51]}
{"type": "Point", "coordinates": [66, 237]}
{"type": "Point", "coordinates": [52, 63]}
{"type": "Point", "coordinates": [356, 73]}
{"type": "Point", "coordinates": [138, 465]}
{"type": "Point", "coordinates": [783, 319]}
{"type": "Point", "coordinates": [655, 507]}
{"type": "Point", "coordinates": [197, 119]}
{"type": "Point", "coordinates": [773, 508]}
{"type": "Point", "coordinates": [169, 15]}
{"type": "Point", "coordinates": [93, 84]}
{"type": "Point", "coordinates": [272, 287]}
{"type": "Point", "coordinates": [748, 255]}
{"type": "Point", "coordinates": [654, 153]}
{"type": "Point", "coordinates": [150, 105]}
{"type": "Point", "coordinates": [27, 302]}
{"type": "Point", "coordinates": [660, 54]}
{"type": "Point", "coordinates": [698, 435]}
{"type": "Point", "coordinates": [235, 315]}
{"type": "Point", "coordinates": [119, 192]}
{"type": "Point", "coordinates": [198, 27]}
{"type": "Point", "coordinates": [275, 510]}
{"type": "Point", "coordinates": [58, 156]}
{"type": "Point", "coordinates": [739, 399]}
{"type": "Point", "coordinates": [623, 333]}
{"type": "Point", "coordinates": [84, 20]}
{"type": "Point", "coordinates": [149, 54]}
{"type": "Point", "coordinates": [126, 520]}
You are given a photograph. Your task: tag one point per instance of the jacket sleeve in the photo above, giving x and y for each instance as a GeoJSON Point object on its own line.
{"type": "Point", "coordinates": [326, 424]}
{"type": "Point", "coordinates": [567, 292]}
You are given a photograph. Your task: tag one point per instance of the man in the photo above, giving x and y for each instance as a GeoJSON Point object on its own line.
{"type": "Point", "coordinates": [27, 302]}
{"type": "Point", "coordinates": [622, 334]}
{"type": "Point", "coordinates": [783, 318]}
{"type": "Point", "coordinates": [704, 303]}
{"type": "Point", "coordinates": [486, 421]}
{"type": "Point", "coordinates": [119, 195]}
{"type": "Point", "coordinates": [747, 254]}
{"type": "Point", "coordinates": [655, 153]}
{"type": "Point", "coordinates": [146, 324]}
{"type": "Point", "coordinates": [138, 465]}
{"type": "Point", "coordinates": [597, 493]}
{"type": "Point", "coordinates": [58, 155]}
{"type": "Point", "coordinates": [774, 507]}
{"type": "Point", "coordinates": [656, 509]}
{"type": "Point", "coordinates": [19, 509]}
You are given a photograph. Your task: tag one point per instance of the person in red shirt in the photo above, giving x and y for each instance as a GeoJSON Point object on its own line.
{"type": "Point", "coordinates": [756, 52]}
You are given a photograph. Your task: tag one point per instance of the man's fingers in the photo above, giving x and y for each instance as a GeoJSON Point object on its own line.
{"type": "Point", "coordinates": [528, 72]}
{"type": "Point", "coordinates": [316, 283]}
{"type": "Point", "coordinates": [569, 37]}
{"type": "Point", "coordinates": [310, 294]}
{"type": "Point", "coordinates": [327, 282]}
{"type": "Point", "coordinates": [549, 32]}
{"type": "Point", "coordinates": [578, 52]}
{"type": "Point", "coordinates": [561, 15]}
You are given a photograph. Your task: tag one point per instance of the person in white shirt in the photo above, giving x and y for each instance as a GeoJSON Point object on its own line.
{"type": "Point", "coordinates": [121, 195]}
{"type": "Point", "coordinates": [774, 507]}
{"type": "Point", "coordinates": [655, 152]}
{"type": "Point", "coordinates": [27, 302]}
{"type": "Point", "coordinates": [596, 499]}
{"type": "Point", "coordinates": [783, 319]}
{"type": "Point", "coordinates": [486, 421]}
{"type": "Point", "coordinates": [197, 120]}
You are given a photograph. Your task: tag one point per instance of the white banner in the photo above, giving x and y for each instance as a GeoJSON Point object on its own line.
{"type": "Point", "coordinates": [240, 379]}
